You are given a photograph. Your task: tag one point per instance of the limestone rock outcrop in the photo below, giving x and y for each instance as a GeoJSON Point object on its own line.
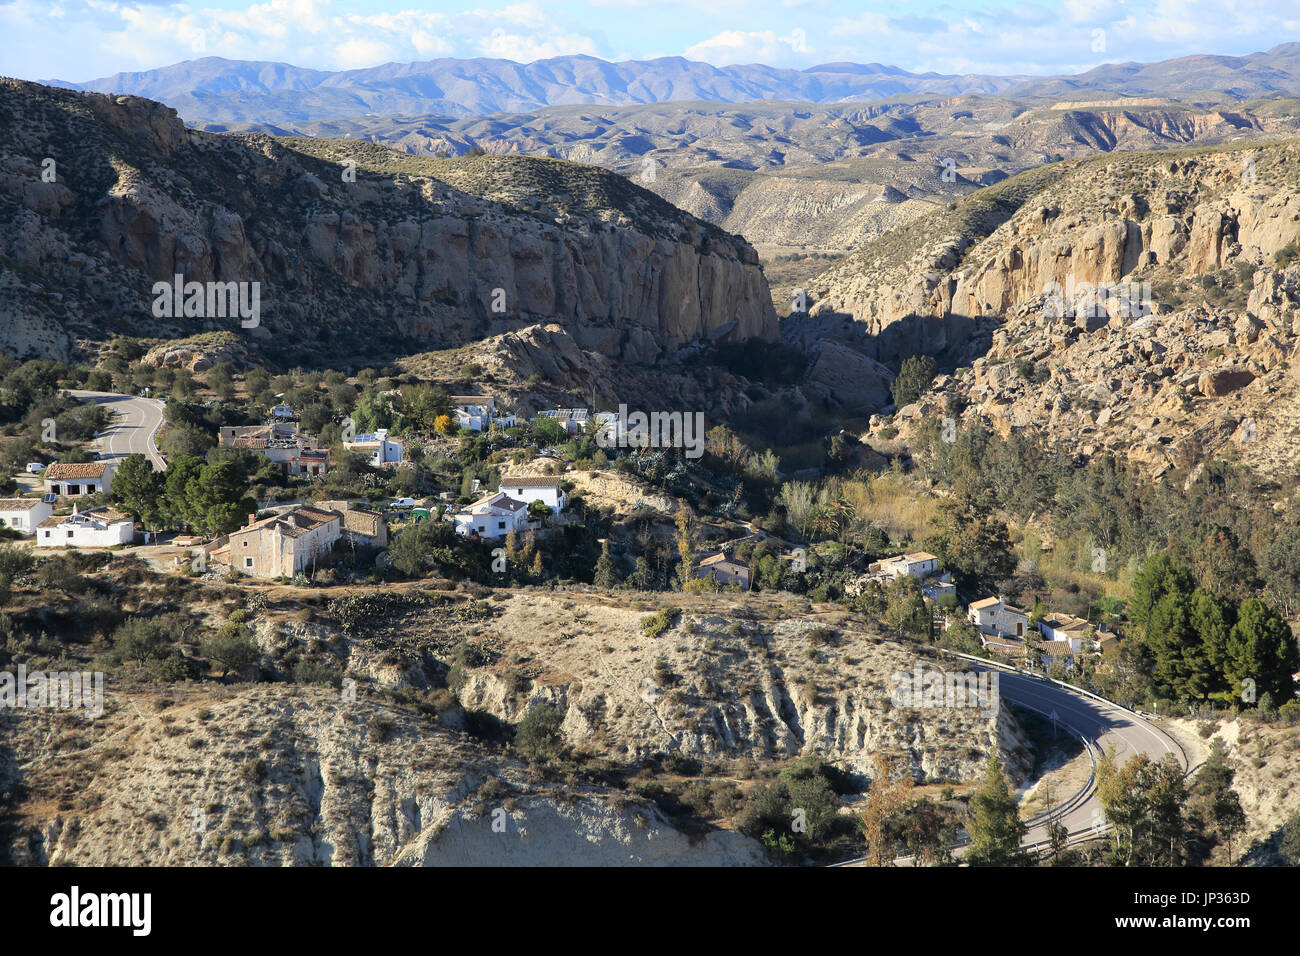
{"type": "Point", "coordinates": [357, 250]}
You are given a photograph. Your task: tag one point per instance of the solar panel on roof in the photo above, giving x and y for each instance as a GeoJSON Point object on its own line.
{"type": "Point", "coordinates": [51, 498]}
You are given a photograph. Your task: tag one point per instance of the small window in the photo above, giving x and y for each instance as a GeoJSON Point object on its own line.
{"type": "Point", "coordinates": [246, 542]}
{"type": "Point", "coordinates": [248, 562]}
{"type": "Point", "coordinates": [70, 533]}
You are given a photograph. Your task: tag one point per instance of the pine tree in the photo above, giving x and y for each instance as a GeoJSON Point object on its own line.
{"type": "Point", "coordinates": [537, 570]}
{"type": "Point", "coordinates": [606, 577]}
{"type": "Point", "coordinates": [996, 828]}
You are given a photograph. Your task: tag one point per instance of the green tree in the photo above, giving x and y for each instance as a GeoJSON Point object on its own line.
{"type": "Point", "coordinates": [232, 646]}
{"type": "Point", "coordinates": [1143, 801]}
{"type": "Point", "coordinates": [914, 377]}
{"type": "Point", "coordinates": [974, 546]}
{"type": "Point", "coordinates": [1215, 802]}
{"type": "Point", "coordinates": [906, 612]}
{"type": "Point", "coordinates": [1262, 648]}
{"type": "Point", "coordinates": [798, 498]}
{"type": "Point", "coordinates": [995, 827]}
{"type": "Point", "coordinates": [210, 498]}
{"type": "Point", "coordinates": [373, 411]}
{"type": "Point", "coordinates": [1158, 576]}
{"type": "Point", "coordinates": [139, 490]}
{"type": "Point", "coordinates": [685, 549]}
{"type": "Point", "coordinates": [546, 431]}
{"type": "Point", "coordinates": [1289, 845]}
{"type": "Point", "coordinates": [538, 736]}
{"type": "Point", "coordinates": [606, 576]}
{"type": "Point", "coordinates": [180, 510]}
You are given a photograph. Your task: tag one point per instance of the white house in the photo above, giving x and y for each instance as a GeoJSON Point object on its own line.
{"type": "Point", "coordinates": [75, 479]}
{"type": "Point", "coordinates": [724, 569]}
{"type": "Point", "coordinates": [1074, 631]}
{"type": "Point", "coordinates": [24, 514]}
{"type": "Point", "coordinates": [995, 618]}
{"type": "Point", "coordinates": [919, 564]}
{"type": "Point", "coordinates": [377, 445]}
{"type": "Point", "coordinates": [477, 412]}
{"type": "Point", "coordinates": [101, 527]}
{"type": "Point", "coordinates": [571, 419]}
{"type": "Point", "coordinates": [492, 517]}
{"type": "Point", "coordinates": [936, 589]}
{"type": "Point", "coordinates": [530, 488]}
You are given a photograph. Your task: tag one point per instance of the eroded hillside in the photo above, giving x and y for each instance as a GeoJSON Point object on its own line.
{"type": "Point", "coordinates": [662, 732]}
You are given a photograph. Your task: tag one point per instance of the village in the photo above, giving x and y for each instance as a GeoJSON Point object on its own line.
{"type": "Point", "coordinates": [72, 505]}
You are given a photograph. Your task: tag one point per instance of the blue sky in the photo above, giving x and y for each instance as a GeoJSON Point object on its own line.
{"type": "Point", "coordinates": [84, 39]}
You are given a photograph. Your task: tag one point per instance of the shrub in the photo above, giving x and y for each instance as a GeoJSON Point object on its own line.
{"type": "Point", "coordinates": [914, 377]}
{"type": "Point", "coordinates": [142, 640]}
{"type": "Point", "coordinates": [378, 729]}
{"type": "Point", "coordinates": [15, 561]}
{"type": "Point", "coordinates": [655, 624]}
{"type": "Point", "coordinates": [538, 735]}
{"type": "Point", "coordinates": [317, 670]}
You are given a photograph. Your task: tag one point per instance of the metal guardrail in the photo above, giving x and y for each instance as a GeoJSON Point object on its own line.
{"type": "Point", "coordinates": [1145, 718]}
{"type": "Point", "coordinates": [1079, 796]}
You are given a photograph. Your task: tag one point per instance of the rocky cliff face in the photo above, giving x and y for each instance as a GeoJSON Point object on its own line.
{"type": "Point", "coordinates": [927, 287]}
{"type": "Point", "coordinates": [1191, 347]}
{"type": "Point", "coordinates": [358, 251]}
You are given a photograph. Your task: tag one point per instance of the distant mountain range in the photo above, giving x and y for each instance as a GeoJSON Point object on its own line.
{"type": "Point", "coordinates": [212, 90]}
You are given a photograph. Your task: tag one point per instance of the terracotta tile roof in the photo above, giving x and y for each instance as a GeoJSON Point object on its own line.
{"type": "Point", "coordinates": [986, 602]}
{"type": "Point", "coordinates": [87, 469]}
{"type": "Point", "coordinates": [105, 514]}
{"type": "Point", "coordinates": [294, 523]}
{"type": "Point", "coordinates": [249, 441]}
{"type": "Point", "coordinates": [1065, 622]}
{"type": "Point", "coordinates": [529, 481]}
{"type": "Point", "coordinates": [19, 504]}
{"type": "Point", "coordinates": [721, 558]}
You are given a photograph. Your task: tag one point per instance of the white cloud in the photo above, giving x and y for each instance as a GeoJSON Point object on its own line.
{"type": "Point", "coordinates": [765, 46]}
{"type": "Point", "coordinates": [525, 49]}
{"type": "Point", "coordinates": [138, 34]}
{"type": "Point", "coordinates": [81, 39]}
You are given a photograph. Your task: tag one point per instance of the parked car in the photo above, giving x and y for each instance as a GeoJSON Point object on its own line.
{"type": "Point", "coordinates": [35, 468]}
{"type": "Point", "coordinates": [403, 502]}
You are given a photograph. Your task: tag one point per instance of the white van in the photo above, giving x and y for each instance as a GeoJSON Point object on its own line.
{"type": "Point", "coordinates": [35, 468]}
{"type": "Point", "coordinates": [403, 502]}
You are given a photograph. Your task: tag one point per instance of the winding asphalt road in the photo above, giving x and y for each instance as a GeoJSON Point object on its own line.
{"type": "Point", "coordinates": [1101, 725]}
{"type": "Point", "coordinates": [135, 423]}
